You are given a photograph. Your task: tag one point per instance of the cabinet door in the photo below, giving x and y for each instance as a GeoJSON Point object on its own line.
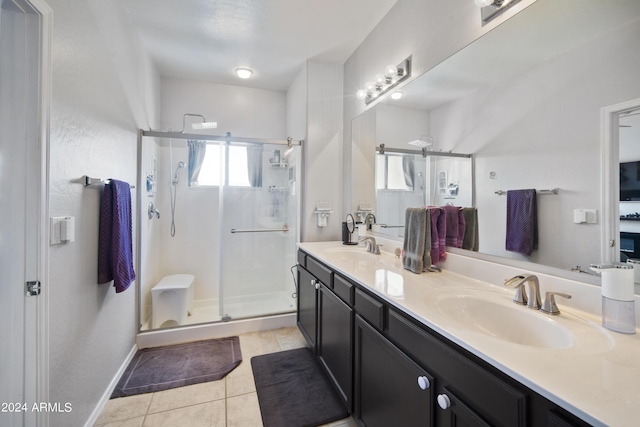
{"type": "Point", "coordinates": [307, 306]}
{"type": "Point", "coordinates": [335, 343]}
{"type": "Point", "coordinates": [454, 413]}
{"type": "Point", "coordinates": [388, 385]}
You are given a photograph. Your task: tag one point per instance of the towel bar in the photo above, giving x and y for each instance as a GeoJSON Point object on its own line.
{"type": "Point", "coordinates": [551, 191]}
{"type": "Point", "coordinates": [94, 182]}
{"type": "Point", "coordinates": [261, 230]}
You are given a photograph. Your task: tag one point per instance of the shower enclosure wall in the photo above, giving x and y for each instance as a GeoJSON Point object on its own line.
{"type": "Point", "coordinates": [237, 238]}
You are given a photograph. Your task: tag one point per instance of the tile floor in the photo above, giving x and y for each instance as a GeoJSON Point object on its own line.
{"type": "Point", "coordinates": [229, 402]}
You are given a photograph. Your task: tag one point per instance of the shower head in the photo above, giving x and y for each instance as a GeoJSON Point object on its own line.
{"type": "Point", "coordinates": [204, 124]}
{"type": "Point", "coordinates": [181, 165]}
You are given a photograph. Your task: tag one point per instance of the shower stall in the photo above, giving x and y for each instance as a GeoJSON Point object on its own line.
{"type": "Point", "coordinates": [226, 210]}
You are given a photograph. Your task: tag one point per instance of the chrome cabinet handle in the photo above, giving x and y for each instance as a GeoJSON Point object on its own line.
{"type": "Point", "coordinates": [443, 401]}
{"type": "Point", "coordinates": [423, 382]}
{"type": "Point", "coordinates": [315, 283]}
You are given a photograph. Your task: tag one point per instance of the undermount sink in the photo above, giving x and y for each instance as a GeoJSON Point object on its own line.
{"type": "Point", "coordinates": [493, 314]}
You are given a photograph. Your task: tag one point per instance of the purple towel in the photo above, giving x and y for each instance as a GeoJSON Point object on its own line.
{"type": "Point", "coordinates": [115, 241]}
{"type": "Point", "coordinates": [438, 235]}
{"type": "Point", "coordinates": [455, 226]}
{"type": "Point", "coordinates": [522, 221]}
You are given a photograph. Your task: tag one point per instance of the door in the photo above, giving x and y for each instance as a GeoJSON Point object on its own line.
{"type": "Point", "coordinates": [307, 306]}
{"type": "Point", "coordinates": [390, 389]}
{"type": "Point", "coordinates": [335, 343]}
{"type": "Point", "coordinates": [259, 228]}
{"type": "Point", "coordinates": [21, 208]}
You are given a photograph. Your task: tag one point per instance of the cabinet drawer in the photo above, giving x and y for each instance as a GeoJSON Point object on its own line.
{"type": "Point", "coordinates": [370, 309]}
{"type": "Point", "coordinates": [322, 273]}
{"type": "Point", "coordinates": [497, 401]}
{"type": "Point", "coordinates": [302, 259]}
{"type": "Point", "coordinates": [344, 289]}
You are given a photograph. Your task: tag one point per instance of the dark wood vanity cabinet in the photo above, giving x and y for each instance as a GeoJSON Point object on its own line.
{"type": "Point", "coordinates": [307, 306]}
{"type": "Point", "coordinates": [391, 370]}
{"type": "Point", "coordinates": [390, 388]}
{"type": "Point", "coordinates": [326, 321]}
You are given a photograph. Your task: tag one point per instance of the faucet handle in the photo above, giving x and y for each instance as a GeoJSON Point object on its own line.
{"type": "Point", "coordinates": [549, 305]}
{"type": "Point", "coordinates": [517, 282]}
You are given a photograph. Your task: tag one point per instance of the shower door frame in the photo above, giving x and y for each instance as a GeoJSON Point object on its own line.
{"type": "Point", "coordinates": [216, 138]}
{"type": "Point", "coordinates": [228, 140]}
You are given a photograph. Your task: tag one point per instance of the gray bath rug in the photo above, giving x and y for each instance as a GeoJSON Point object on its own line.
{"type": "Point", "coordinates": [294, 391]}
{"type": "Point", "coordinates": [163, 368]}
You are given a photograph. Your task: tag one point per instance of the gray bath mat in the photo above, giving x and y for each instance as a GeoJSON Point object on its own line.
{"type": "Point", "coordinates": [162, 368]}
{"type": "Point", "coordinates": [293, 390]}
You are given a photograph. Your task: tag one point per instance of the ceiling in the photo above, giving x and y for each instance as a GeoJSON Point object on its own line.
{"type": "Point", "coordinates": [206, 40]}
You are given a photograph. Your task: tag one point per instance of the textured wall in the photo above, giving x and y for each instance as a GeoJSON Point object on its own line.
{"type": "Point", "coordinates": [94, 119]}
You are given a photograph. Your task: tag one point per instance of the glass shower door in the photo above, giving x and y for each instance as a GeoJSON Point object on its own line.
{"type": "Point", "coordinates": [259, 220]}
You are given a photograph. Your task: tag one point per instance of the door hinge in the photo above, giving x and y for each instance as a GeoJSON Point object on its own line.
{"type": "Point", "coordinates": [33, 288]}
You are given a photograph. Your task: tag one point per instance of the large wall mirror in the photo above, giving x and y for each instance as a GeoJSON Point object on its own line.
{"type": "Point", "coordinates": [525, 100]}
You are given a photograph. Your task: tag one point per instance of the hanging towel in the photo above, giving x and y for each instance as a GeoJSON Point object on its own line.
{"type": "Point", "coordinates": [522, 221]}
{"type": "Point", "coordinates": [438, 234]}
{"type": "Point", "coordinates": [417, 240]}
{"type": "Point", "coordinates": [470, 240]}
{"type": "Point", "coordinates": [115, 241]}
{"type": "Point", "coordinates": [455, 226]}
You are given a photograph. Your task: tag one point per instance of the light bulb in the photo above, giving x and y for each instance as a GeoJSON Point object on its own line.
{"type": "Point", "coordinates": [380, 79]}
{"type": "Point", "coordinates": [244, 73]}
{"type": "Point", "coordinates": [391, 71]}
{"type": "Point", "coordinates": [361, 94]}
{"type": "Point", "coordinates": [369, 87]}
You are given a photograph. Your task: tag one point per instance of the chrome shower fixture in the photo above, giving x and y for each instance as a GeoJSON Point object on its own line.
{"type": "Point", "coordinates": [181, 165]}
{"type": "Point", "coordinates": [198, 125]}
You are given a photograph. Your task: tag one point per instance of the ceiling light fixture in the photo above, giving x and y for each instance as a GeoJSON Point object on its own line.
{"type": "Point", "coordinates": [244, 73]}
{"type": "Point", "coordinates": [397, 95]}
{"type": "Point", "coordinates": [383, 83]}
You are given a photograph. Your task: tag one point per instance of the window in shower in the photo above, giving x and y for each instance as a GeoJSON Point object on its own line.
{"type": "Point", "coordinates": [235, 169]}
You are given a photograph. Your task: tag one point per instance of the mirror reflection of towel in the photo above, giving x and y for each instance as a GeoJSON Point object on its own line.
{"type": "Point", "coordinates": [417, 240]}
{"type": "Point", "coordinates": [470, 240]}
{"type": "Point", "coordinates": [522, 221]}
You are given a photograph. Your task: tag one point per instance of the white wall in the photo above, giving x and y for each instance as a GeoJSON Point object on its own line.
{"type": "Point", "coordinates": [541, 130]}
{"type": "Point", "coordinates": [93, 131]}
{"type": "Point", "coordinates": [323, 150]}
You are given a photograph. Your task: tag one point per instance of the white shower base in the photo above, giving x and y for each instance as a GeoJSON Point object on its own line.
{"type": "Point", "coordinates": [246, 307]}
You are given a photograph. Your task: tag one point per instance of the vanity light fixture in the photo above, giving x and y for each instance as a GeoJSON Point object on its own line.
{"type": "Point", "coordinates": [492, 8]}
{"type": "Point", "coordinates": [383, 83]}
{"type": "Point", "coordinates": [244, 73]}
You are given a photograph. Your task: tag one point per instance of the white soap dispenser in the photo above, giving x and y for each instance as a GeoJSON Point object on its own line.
{"type": "Point", "coordinates": [618, 301]}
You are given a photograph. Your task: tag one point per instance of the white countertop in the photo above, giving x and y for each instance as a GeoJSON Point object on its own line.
{"type": "Point", "coordinates": [596, 377]}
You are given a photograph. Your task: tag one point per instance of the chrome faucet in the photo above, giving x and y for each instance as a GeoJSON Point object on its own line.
{"type": "Point", "coordinates": [372, 246]}
{"type": "Point", "coordinates": [369, 220]}
{"type": "Point", "coordinates": [520, 297]}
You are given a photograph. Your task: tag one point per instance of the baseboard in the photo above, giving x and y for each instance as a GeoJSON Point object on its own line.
{"type": "Point", "coordinates": [112, 385]}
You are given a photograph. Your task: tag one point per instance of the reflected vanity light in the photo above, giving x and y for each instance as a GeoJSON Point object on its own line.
{"type": "Point", "coordinates": [492, 8]}
{"type": "Point", "coordinates": [383, 83]}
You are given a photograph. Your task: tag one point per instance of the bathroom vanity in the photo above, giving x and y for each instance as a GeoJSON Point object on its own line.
{"type": "Point", "coordinates": [443, 349]}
